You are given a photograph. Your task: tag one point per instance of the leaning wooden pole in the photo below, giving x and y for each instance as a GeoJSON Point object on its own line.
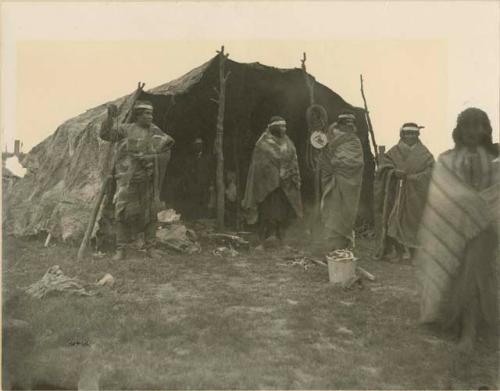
{"type": "Point", "coordinates": [313, 156]}
{"type": "Point", "coordinates": [109, 163]}
{"type": "Point", "coordinates": [219, 138]}
{"type": "Point", "coordinates": [369, 122]}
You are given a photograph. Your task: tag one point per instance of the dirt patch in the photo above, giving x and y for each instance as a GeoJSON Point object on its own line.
{"type": "Point", "coordinates": [199, 321]}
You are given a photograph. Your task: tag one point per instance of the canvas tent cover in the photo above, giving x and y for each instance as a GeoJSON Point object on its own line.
{"type": "Point", "coordinates": [66, 170]}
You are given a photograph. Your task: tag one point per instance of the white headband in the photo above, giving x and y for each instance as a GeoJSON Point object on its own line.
{"type": "Point", "coordinates": [411, 128]}
{"type": "Point", "coordinates": [346, 116]}
{"type": "Point", "coordinates": [280, 122]}
{"type": "Point", "coordinates": [143, 106]}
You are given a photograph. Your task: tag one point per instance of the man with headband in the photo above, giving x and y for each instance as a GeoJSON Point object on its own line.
{"type": "Point", "coordinates": [341, 168]}
{"type": "Point", "coordinates": [142, 154]}
{"type": "Point", "coordinates": [401, 188]}
{"type": "Point", "coordinates": [272, 194]}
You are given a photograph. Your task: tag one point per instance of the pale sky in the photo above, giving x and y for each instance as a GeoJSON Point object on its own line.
{"type": "Point", "coordinates": [422, 61]}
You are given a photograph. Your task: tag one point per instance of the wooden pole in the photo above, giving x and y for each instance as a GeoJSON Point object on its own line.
{"type": "Point", "coordinates": [105, 184]}
{"type": "Point", "coordinates": [313, 155]}
{"type": "Point", "coordinates": [219, 138]}
{"type": "Point", "coordinates": [237, 173]}
{"type": "Point", "coordinates": [381, 152]}
{"type": "Point", "coordinates": [369, 122]}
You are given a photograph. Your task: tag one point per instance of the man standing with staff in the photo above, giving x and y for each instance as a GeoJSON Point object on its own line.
{"type": "Point", "coordinates": [142, 154]}
{"type": "Point", "coordinates": [400, 190]}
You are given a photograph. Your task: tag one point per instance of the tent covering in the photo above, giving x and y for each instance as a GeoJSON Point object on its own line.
{"type": "Point", "coordinates": [66, 170]}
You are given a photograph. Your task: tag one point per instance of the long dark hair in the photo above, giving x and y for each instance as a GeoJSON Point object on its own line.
{"type": "Point", "coordinates": [473, 115]}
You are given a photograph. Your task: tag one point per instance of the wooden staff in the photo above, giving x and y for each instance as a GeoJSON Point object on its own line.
{"type": "Point", "coordinates": [110, 157]}
{"type": "Point", "coordinates": [219, 138]}
{"type": "Point", "coordinates": [311, 155]}
{"type": "Point", "coordinates": [369, 122]}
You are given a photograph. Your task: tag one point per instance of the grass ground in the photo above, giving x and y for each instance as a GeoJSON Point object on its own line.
{"type": "Point", "coordinates": [249, 322]}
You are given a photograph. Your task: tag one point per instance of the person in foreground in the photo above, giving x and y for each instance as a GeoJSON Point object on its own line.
{"type": "Point", "coordinates": [341, 170]}
{"type": "Point", "coordinates": [401, 186]}
{"type": "Point", "coordinates": [142, 154]}
{"type": "Point", "coordinates": [459, 244]}
{"type": "Point", "coordinates": [272, 194]}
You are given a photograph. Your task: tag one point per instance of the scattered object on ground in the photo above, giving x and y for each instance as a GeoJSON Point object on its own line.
{"type": "Point", "coordinates": [365, 274]}
{"type": "Point", "coordinates": [168, 216]}
{"type": "Point", "coordinates": [341, 266]}
{"type": "Point", "coordinates": [99, 254]}
{"type": "Point", "coordinates": [344, 330]}
{"type": "Point", "coordinates": [230, 240]}
{"type": "Point", "coordinates": [107, 280]}
{"type": "Point", "coordinates": [54, 281]}
{"type": "Point", "coordinates": [47, 241]}
{"type": "Point", "coordinates": [292, 302]}
{"type": "Point", "coordinates": [178, 238]}
{"type": "Point", "coordinates": [346, 303]}
{"type": "Point", "coordinates": [225, 251]}
{"type": "Point", "coordinates": [299, 260]}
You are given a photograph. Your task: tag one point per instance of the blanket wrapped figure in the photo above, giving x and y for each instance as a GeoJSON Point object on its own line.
{"type": "Point", "coordinates": [401, 186]}
{"type": "Point", "coordinates": [458, 258]}
{"type": "Point", "coordinates": [341, 171]}
{"type": "Point", "coordinates": [272, 194]}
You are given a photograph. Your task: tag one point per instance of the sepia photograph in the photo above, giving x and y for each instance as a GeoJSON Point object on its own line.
{"type": "Point", "coordinates": [250, 195]}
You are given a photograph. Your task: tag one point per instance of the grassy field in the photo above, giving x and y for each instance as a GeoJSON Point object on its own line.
{"type": "Point", "coordinates": [248, 322]}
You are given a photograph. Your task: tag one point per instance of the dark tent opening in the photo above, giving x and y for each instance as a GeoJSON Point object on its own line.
{"type": "Point", "coordinates": [254, 93]}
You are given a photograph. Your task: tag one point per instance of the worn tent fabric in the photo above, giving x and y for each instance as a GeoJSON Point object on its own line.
{"type": "Point", "coordinates": [66, 170]}
{"type": "Point", "coordinates": [400, 203]}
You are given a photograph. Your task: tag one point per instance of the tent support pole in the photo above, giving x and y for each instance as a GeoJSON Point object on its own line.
{"type": "Point", "coordinates": [219, 138]}
{"type": "Point", "coordinates": [369, 122]}
{"type": "Point", "coordinates": [314, 163]}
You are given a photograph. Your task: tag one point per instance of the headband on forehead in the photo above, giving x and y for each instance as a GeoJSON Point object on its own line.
{"type": "Point", "coordinates": [143, 105]}
{"type": "Point", "coordinates": [411, 128]}
{"type": "Point", "coordinates": [280, 122]}
{"type": "Point", "coordinates": [346, 116]}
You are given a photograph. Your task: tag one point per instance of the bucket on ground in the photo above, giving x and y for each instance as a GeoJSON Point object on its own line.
{"type": "Point", "coordinates": [341, 266]}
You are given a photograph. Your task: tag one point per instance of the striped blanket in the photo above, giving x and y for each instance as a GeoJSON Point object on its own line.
{"type": "Point", "coordinates": [455, 214]}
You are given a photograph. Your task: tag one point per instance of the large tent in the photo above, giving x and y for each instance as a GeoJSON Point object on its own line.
{"type": "Point", "coordinates": [65, 171]}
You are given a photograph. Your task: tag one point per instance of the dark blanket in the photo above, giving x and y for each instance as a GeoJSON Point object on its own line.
{"type": "Point", "coordinates": [341, 165]}
{"type": "Point", "coordinates": [274, 165]}
{"type": "Point", "coordinates": [400, 203]}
